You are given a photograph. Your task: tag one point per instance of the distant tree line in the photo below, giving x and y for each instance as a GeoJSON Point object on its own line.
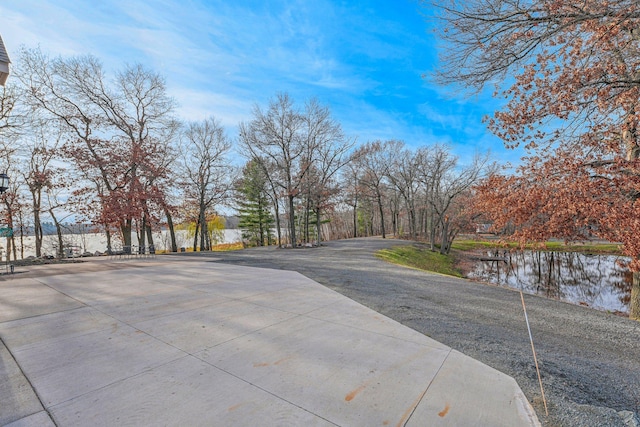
{"type": "Point", "coordinates": [305, 182]}
{"type": "Point", "coordinates": [109, 150]}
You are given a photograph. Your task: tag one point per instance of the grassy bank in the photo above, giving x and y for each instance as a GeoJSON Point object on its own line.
{"type": "Point", "coordinates": [419, 256]}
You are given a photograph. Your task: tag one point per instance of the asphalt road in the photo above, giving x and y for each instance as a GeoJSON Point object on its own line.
{"type": "Point", "coordinates": [589, 360]}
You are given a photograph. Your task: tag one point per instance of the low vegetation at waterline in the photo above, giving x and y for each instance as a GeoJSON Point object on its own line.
{"type": "Point", "coordinates": [558, 246]}
{"type": "Point", "coordinates": [421, 257]}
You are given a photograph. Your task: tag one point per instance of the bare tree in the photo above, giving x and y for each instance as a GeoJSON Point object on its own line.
{"type": "Point", "coordinates": [207, 174]}
{"type": "Point", "coordinates": [119, 130]}
{"type": "Point", "coordinates": [9, 129]}
{"type": "Point", "coordinates": [373, 158]}
{"type": "Point", "coordinates": [445, 183]}
{"type": "Point", "coordinates": [54, 88]}
{"type": "Point", "coordinates": [405, 168]}
{"type": "Point", "coordinates": [53, 202]}
{"type": "Point", "coordinates": [351, 193]}
{"type": "Point", "coordinates": [140, 109]}
{"type": "Point", "coordinates": [16, 207]}
{"type": "Point", "coordinates": [276, 136]}
{"type": "Point", "coordinates": [274, 191]}
{"type": "Point", "coordinates": [330, 150]}
{"type": "Point", "coordinates": [39, 151]}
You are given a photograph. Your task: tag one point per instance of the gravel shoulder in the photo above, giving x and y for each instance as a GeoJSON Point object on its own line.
{"type": "Point", "coordinates": [589, 360]}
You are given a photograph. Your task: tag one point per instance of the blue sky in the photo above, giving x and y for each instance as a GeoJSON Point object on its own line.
{"type": "Point", "coordinates": [365, 59]}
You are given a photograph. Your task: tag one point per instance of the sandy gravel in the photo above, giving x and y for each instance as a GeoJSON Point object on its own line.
{"type": "Point", "coordinates": [589, 360]}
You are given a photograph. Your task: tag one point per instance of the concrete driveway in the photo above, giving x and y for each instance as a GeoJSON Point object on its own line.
{"type": "Point", "coordinates": [181, 341]}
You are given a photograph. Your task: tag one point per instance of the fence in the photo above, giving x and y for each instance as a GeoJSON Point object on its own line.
{"type": "Point", "coordinates": [131, 252]}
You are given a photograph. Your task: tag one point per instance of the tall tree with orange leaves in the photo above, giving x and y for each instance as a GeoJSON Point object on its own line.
{"type": "Point", "coordinates": [570, 74]}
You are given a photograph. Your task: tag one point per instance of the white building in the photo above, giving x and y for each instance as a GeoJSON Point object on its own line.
{"type": "Point", "coordinates": [4, 63]}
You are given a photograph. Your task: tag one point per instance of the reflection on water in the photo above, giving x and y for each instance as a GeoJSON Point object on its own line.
{"type": "Point", "coordinates": [596, 281]}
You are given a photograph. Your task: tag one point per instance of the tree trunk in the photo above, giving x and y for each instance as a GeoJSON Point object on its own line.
{"type": "Point", "coordinates": [371, 230]}
{"type": "Point", "coordinates": [261, 223]}
{"type": "Point", "coordinates": [318, 225]}
{"type": "Point", "coordinates": [142, 236]}
{"type": "Point", "coordinates": [126, 227]}
{"type": "Point", "coordinates": [108, 234]}
{"type": "Point", "coordinates": [11, 240]}
{"type": "Point", "coordinates": [195, 237]}
{"type": "Point", "coordinates": [634, 304]}
{"type": "Point", "coordinates": [203, 227]}
{"type": "Point", "coordinates": [60, 253]}
{"type": "Point", "coordinates": [379, 196]}
{"type": "Point", "coordinates": [150, 238]}
{"type": "Point", "coordinates": [394, 223]}
{"type": "Point", "coordinates": [207, 241]}
{"type": "Point", "coordinates": [412, 223]}
{"type": "Point", "coordinates": [37, 227]}
{"type": "Point", "coordinates": [307, 221]}
{"type": "Point", "coordinates": [204, 236]}
{"type": "Point", "coordinates": [633, 153]}
{"type": "Point", "coordinates": [278, 228]}
{"type": "Point", "coordinates": [355, 219]}
{"type": "Point", "coordinates": [21, 241]}
{"type": "Point", "coordinates": [172, 231]}
{"type": "Point", "coordinates": [445, 237]}
{"type": "Point", "coordinates": [432, 231]}
{"type": "Point", "coordinates": [13, 247]}
{"type": "Point", "coordinates": [292, 222]}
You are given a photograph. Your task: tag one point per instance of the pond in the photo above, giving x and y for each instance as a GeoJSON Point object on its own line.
{"type": "Point", "coordinates": [596, 281]}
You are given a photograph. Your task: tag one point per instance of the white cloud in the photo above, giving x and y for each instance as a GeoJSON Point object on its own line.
{"type": "Point", "coordinates": [437, 116]}
{"type": "Point", "coordinates": [221, 57]}
{"type": "Point", "coordinates": [198, 104]}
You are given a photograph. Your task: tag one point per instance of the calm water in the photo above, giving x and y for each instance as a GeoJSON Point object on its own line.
{"type": "Point", "coordinates": [597, 281]}
{"type": "Point", "coordinates": [92, 242]}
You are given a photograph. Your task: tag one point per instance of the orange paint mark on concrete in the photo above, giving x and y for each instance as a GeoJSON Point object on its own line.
{"type": "Point", "coordinates": [445, 411]}
{"type": "Point", "coordinates": [281, 361]}
{"type": "Point", "coordinates": [410, 410]}
{"type": "Point", "coordinates": [276, 363]}
{"type": "Point", "coordinates": [349, 397]}
{"type": "Point", "coordinates": [386, 422]}
{"type": "Point", "coordinates": [234, 407]}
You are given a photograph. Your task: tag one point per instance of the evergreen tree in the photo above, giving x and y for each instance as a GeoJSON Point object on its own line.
{"type": "Point", "coordinates": [255, 218]}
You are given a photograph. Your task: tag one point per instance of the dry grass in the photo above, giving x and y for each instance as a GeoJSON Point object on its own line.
{"type": "Point", "coordinates": [225, 247]}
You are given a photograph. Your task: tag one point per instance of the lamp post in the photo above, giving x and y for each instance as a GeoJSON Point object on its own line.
{"type": "Point", "coordinates": [4, 182]}
{"type": "Point", "coordinates": [5, 231]}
